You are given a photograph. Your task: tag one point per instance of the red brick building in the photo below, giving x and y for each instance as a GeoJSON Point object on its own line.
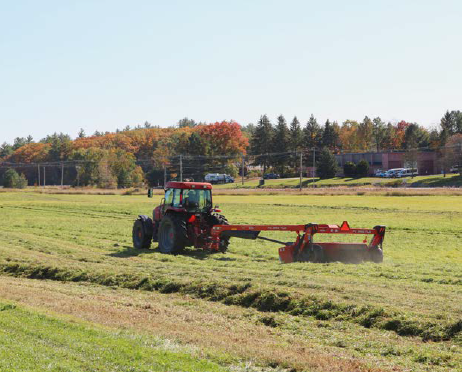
{"type": "Point", "coordinates": [427, 162]}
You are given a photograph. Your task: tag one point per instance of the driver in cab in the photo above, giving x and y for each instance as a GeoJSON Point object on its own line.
{"type": "Point", "coordinates": [192, 199]}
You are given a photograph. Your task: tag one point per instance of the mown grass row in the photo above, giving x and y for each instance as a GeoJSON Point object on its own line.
{"type": "Point", "coordinates": [33, 341]}
{"type": "Point", "coordinates": [261, 298]}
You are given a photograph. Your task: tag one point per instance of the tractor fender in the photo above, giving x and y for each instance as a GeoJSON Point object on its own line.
{"type": "Point", "coordinates": [157, 214]}
{"type": "Point", "coordinates": [147, 224]}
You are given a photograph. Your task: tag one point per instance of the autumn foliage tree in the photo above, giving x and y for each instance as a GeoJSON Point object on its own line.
{"type": "Point", "coordinates": [127, 155]}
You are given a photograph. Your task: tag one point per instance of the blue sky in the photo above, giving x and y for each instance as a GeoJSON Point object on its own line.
{"type": "Point", "coordinates": [102, 65]}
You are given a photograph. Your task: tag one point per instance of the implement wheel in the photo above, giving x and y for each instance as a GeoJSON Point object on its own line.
{"type": "Point", "coordinates": [314, 254]}
{"type": "Point", "coordinates": [376, 255]}
{"type": "Point", "coordinates": [172, 236]}
{"type": "Point", "coordinates": [142, 233]}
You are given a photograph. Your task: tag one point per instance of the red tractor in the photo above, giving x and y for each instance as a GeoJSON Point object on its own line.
{"type": "Point", "coordinates": [184, 218]}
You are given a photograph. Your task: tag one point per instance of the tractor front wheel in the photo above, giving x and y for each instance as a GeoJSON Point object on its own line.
{"type": "Point", "coordinates": [172, 236]}
{"type": "Point", "coordinates": [142, 233]}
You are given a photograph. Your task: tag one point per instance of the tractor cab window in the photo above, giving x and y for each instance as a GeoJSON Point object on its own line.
{"type": "Point", "coordinates": [197, 199]}
{"type": "Point", "coordinates": [176, 200]}
{"type": "Point", "coordinates": [168, 197]}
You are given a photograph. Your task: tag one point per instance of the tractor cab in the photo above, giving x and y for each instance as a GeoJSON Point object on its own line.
{"type": "Point", "coordinates": [188, 197]}
{"type": "Point", "coordinates": [184, 197]}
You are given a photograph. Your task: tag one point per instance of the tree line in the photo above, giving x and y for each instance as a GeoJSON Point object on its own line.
{"type": "Point", "coordinates": [113, 159]}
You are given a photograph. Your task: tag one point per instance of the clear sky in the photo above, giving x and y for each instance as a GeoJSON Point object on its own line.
{"type": "Point", "coordinates": [102, 65]}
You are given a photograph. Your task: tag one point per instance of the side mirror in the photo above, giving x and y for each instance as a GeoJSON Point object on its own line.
{"type": "Point", "coordinates": [150, 193]}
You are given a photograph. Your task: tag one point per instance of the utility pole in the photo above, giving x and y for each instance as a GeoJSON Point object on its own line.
{"type": "Point", "coordinates": [38, 174]}
{"type": "Point", "coordinates": [62, 174]}
{"type": "Point", "coordinates": [242, 170]}
{"type": "Point", "coordinates": [44, 176]}
{"type": "Point", "coordinates": [165, 176]}
{"type": "Point", "coordinates": [181, 169]}
{"type": "Point", "coordinates": [78, 174]}
{"type": "Point", "coordinates": [265, 166]}
{"type": "Point", "coordinates": [313, 170]}
{"type": "Point", "coordinates": [300, 171]}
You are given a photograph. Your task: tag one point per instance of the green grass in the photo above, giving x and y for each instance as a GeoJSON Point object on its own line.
{"type": "Point", "coordinates": [451, 180]}
{"type": "Point", "coordinates": [409, 306]}
{"type": "Point", "coordinates": [436, 181]}
{"type": "Point", "coordinates": [33, 341]}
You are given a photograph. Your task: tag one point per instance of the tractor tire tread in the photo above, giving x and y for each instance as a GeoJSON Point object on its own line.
{"type": "Point", "coordinates": [145, 229]}
{"type": "Point", "coordinates": [180, 233]}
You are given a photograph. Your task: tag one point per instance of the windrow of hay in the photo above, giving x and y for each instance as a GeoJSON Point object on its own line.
{"type": "Point", "coordinates": [260, 298]}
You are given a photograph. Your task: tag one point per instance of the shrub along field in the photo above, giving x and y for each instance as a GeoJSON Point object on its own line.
{"type": "Point", "coordinates": [75, 294]}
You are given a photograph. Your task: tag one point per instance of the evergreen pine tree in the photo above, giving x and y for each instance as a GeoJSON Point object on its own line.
{"type": "Point", "coordinates": [450, 125]}
{"type": "Point", "coordinates": [312, 134]}
{"type": "Point", "coordinates": [327, 165]}
{"type": "Point", "coordinates": [362, 168]}
{"type": "Point", "coordinates": [5, 150]}
{"type": "Point", "coordinates": [281, 144]}
{"type": "Point", "coordinates": [415, 137]}
{"type": "Point", "coordinates": [329, 137]}
{"type": "Point", "coordinates": [10, 178]}
{"type": "Point", "coordinates": [261, 141]}
{"type": "Point", "coordinates": [295, 135]}
{"type": "Point", "coordinates": [296, 140]}
{"type": "Point", "coordinates": [312, 139]}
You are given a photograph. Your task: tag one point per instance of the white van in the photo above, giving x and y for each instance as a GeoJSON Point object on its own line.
{"type": "Point", "coordinates": [218, 178]}
{"type": "Point", "coordinates": [212, 178]}
{"type": "Point", "coordinates": [407, 172]}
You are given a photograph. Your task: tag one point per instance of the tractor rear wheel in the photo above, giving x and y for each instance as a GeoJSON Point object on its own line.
{"type": "Point", "coordinates": [217, 219]}
{"type": "Point", "coordinates": [172, 236]}
{"type": "Point", "coordinates": [142, 233]}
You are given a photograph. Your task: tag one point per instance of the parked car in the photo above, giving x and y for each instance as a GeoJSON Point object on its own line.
{"type": "Point", "coordinates": [271, 176]}
{"type": "Point", "coordinates": [379, 173]}
{"type": "Point", "coordinates": [455, 169]}
{"type": "Point", "coordinates": [393, 172]}
{"type": "Point", "coordinates": [219, 178]}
